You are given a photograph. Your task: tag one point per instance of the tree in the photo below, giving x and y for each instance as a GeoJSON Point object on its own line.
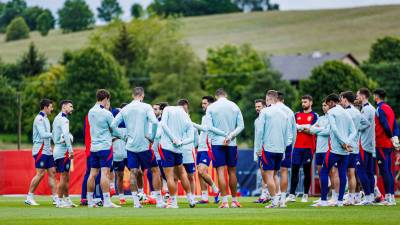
{"type": "Point", "coordinates": [231, 67]}
{"type": "Point", "coordinates": [178, 77]}
{"type": "Point", "coordinates": [387, 75]}
{"type": "Point", "coordinates": [137, 10]}
{"type": "Point", "coordinates": [109, 10]}
{"type": "Point", "coordinates": [91, 69]}
{"type": "Point", "coordinates": [32, 62]}
{"type": "Point", "coordinates": [334, 77]}
{"type": "Point", "coordinates": [11, 10]}
{"type": "Point", "coordinates": [45, 22]}
{"type": "Point", "coordinates": [75, 16]}
{"type": "Point", "coordinates": [122, 47]}
{"type": "Point", "coordinates": [8, 104]}
{"type": "Point", "coordinates": [45, 85]}
{"type": "Point", "coordinates": [385, 49]}
{"type": "Point", "coordinates": [260, 82]}
{"type": "Point", "coordinates": [17, 30]}
{"type": "Point", "coordinates": [191, 8]}
{"type": "Point", "coordinates": [30, 15]}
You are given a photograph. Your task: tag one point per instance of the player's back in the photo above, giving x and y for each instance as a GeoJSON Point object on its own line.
{"type": "Point", "coordinates": [41, 135]}
{"type": "Point", "coordinates": [178, 123]}
{"type": "Point", "coordinates": [100, 121]}
{"type": "Point", "coordinates": [342, 129]}
{"type": "Point", "coordinates": [274, 123]}
{"type": "Point", "coordinates": [356, 117]}
{"type": "Point", "coordinates": [136, 117]}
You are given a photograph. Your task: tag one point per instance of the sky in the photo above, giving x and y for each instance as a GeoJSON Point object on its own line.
{"type": "Point", "coordinates": [54, 5]}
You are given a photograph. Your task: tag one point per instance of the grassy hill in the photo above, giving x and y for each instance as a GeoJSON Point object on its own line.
{"type": "Point", "coordinates": [339, 30]}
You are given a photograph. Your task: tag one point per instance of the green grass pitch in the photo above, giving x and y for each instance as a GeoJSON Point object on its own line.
{"type": "Point", "coordinates": [13, 211]}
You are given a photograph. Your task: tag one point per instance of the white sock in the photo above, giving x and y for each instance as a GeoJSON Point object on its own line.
{"type": "Point", "coordinates": [30, 196]}
{"type": "Point", "coordinates": [135, 198]}
{"type": "Point", "coordinates": [283, 197]}
{"type": "Point", "coordinates": [173, 200]}
{"type": "Point", "coordinates": [335, 195]}
{"type": "Point", "coordinates": [121, 196]}
{"type": "Point", "coordinates": [264, 193]}
{"type": "Point", "coordinates": [112, 185]}
{"type": "Point", "coordinates": [67, 199]}
{"type": "Point", "coordinates": [225, 199]}
{"type": "Point", "coordinates": [55, 197]}
{"type": "Point", "coordinates": [204, 195]}
{"type": "Point", "coordinates": [190, 197]}
{"type": "Point", "coordinates": [107, 199]}
{"type": "Point", "coordinates": [234, 199]}
{"type": "Point", "coordinates": [140, 190]}
{"type": "Point", "coordinates": [275, 200]}
{"type": "Point", "coordinates": [214, 188]}
{"type": "Point", "coordinates": [158, 196]}
{"type": "Point", "coordinates": [90, 198]}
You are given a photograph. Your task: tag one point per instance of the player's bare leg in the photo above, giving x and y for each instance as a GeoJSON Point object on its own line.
{"type": "Point", "coordinates": [272, 187]}
{"type": "Point", "coordinates": [351, 176]}
{"type": "Point", "coordinates": [222, 184]}
{"type": "Point", "coordinates": [135, 178]}
{"type": "Point", "coordinates": [205, 179]}
{"type": "Point", "coordinates": [91, 185]}
{"type": "Point", "coordinates": [32, 187]}
{"type": "Point", "coordinates": [183, 177]}
{"type": "Point", "coordinates": [120, 186]}
{"type": "Point", "coordinates": [283, 184]}
{"type": "Point", "coordinates": [157, 186]}
{"type": "Point", "coordinates": [233, 186]}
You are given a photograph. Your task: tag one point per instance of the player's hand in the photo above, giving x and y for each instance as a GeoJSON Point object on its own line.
{"type": "Point", "coordinates": [258, 153]}
{"type": "Point", "coordinates": [71, 155]}
{"type": "Point", "coordinates": [149, 139]}
{"type": "Point", "coordinates": [395, 142]}
{"type": "Point", "coordinates": [226, 142]}
{"type": "Point", "coordinates": [348, 148]}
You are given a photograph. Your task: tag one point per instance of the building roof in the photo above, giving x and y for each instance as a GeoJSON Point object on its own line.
{"type": "Point", "coordinates": [299, 67]}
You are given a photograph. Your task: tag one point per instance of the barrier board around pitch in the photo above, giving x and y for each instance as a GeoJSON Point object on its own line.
{"type": "Point", "coordinates": [17, 169]}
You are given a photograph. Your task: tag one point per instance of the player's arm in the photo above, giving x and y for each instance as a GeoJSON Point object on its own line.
{"type": "Point", "coordinates": [210, 126]}
{"type": "Point", "coordinates": [114, 123]}
{"type": "Point", "coordinates": [196, 137]}
{"type": "Point", "coordinates": [239, 126]}
{"type": "Point", "coordinates": [258, 140]}
{"type": "Point", "coordinates": [335, 130]}
{"type": "Point", "coordinates": [66, 134]}
{"type": "Point", "coordinates": [320, 130]}
{"type": "Point", "coordinates": [199, 127]}
{"type": "Point", "coordinates": [153, 125]}
{"type": "Point", "coordinates": [384, 122]}
{"type": "Point", "coordinates": [164, 126]}
{"type": "Point", "coordinates": [40, 126]}
{"type": "Point", "coordinates": [189, 131]}
{"type": "Point", "coordinates": [364, 123]}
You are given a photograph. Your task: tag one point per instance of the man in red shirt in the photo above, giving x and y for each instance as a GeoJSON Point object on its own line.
{"type": "Point", "coordinates": [303, 148]}
{"type": "Point", "coordinates": [386, 133]}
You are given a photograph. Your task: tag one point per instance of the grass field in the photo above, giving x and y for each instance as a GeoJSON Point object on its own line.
{"type": "Point", "coordinates": [287, 32]}
{"type": "Point", "coordinates": [13, 211]}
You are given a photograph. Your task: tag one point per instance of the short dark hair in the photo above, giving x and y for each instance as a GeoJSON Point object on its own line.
{"type": "Point", "coordinates": [220, 92]}
{"type": "Point", "coordinates": [349, 95]}
{"type": "Point", "coordinates": [381, 93]}
{"type": "Point", "coordinates": [281, 96]}
{"type": "Point", "coordinates": [272, 93]}
{"type": "Point", "coordinates": [45, 103]}
{"type": "Point", "coordinates": [365, 92]}
{"type": "Point", "coordinates": [163, 105]}
{"type": "Point", "coordinates": [308, 97]}
{"type": "Point", "coordinates": [138, 91]}
{"type": "Point", "coordinates": [332, 97]}
{"type": "Point", "coordinates": [64, 102]}
{"type": "Point", "coordinates": [262, 101]}
{"type": "Point", "coordinates": [123, 105]}
{"type": "Point", "coordinates": [210, 99]}
{"type": "Point", "coordinates": [183, 102]}
{"type": "Point", "coordinates": [102, 94]}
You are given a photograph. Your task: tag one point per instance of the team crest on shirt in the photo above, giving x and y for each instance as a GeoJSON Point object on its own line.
{"type": "Point", "coordinates": [67, 166]}
{"type": "Point", "coordinates": [41, 163]}
{"type": "Point", "coordinates": [309, 118]}
{"type": "Point", "coordinates": [299, 118]}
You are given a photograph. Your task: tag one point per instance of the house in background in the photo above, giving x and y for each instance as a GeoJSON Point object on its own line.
{"type": "Point", "coordinates": [298, 67]}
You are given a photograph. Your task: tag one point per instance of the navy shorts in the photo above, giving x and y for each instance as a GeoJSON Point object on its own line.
{"type": "Point", "coordinates": [301, 156]}
{"type": "Point", "coordinates": [189, 167]}
{"type": "Point", "coordinates": [143, 160]}
{"type": "Point", "coordinates": [352, 160]}
{"type": "Point", "coordinates": [101, 159]}
{"type": "Point", "coordinates": [63, 165]}
{"type": "Point", "coordinates": [271, 161]}
{"type": "Point", "coordinates": [203, 158]}
{"type": "Point", "coordinates": [43, 161]}
{"type": "Point", "coordinates": [224, 155]}
{"type": "Point", "coordinates": [287, 161]}
{"type": "Point", "coordinates": [120, 165]}
{"type": "Point", "coordinates": [170, 159]}
{"type": "Point", "coordinates": [319, 158]}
